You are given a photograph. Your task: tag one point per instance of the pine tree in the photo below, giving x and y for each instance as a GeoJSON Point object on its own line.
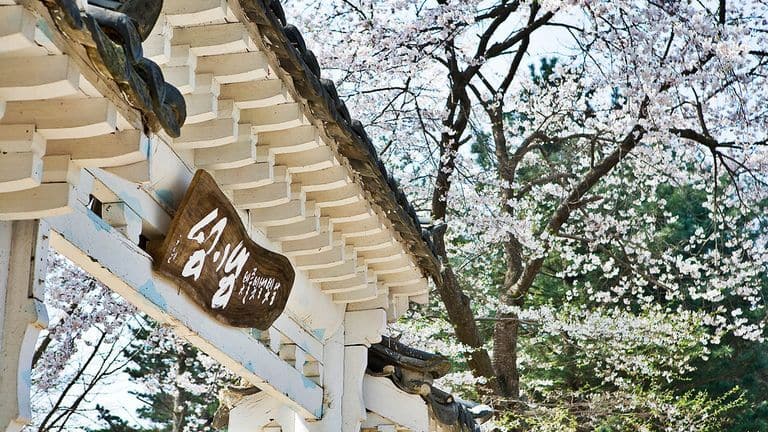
{"type": "Point", "coordinates": [181, 385]}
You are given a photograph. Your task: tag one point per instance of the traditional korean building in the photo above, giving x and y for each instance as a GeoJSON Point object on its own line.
{"type": "Point", "coordinates": [190, 156]}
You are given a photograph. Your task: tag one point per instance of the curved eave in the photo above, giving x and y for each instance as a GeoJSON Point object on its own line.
{"type": "Point", "coordinates": [263, 24]}
{"type": "Point", "coordinates": [276, 138]}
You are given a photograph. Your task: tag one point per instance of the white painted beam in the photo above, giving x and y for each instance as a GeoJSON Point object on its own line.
{"type": "Point", "coordinates": [212, 133]}
{"type": "Point", "coordinates": [235, 67]}
{"type": "Point", "coordinates": [323, 241]}
{"type": "Point", "coordinates": [370, 225]}
{"type": "Point", "coordinates": [256, 94]}
{"type": "Point", "coordinates": [345, 270]}
{"type": "Point", "coordinates": [275, 117]}
{"type": "Point", "coordinates": [300, 138]}
{"type": "Point", "coordinates": [239, 154]}
{"type": "Point", "coordinates": [64, 118]}
{"type": "Point", "coordinates": [311, 160]}
{"type": "Point", "coordinates": [253, 413]}
{"type": "Point", "coordinates": [282, 214]}
{"type": "Point", "coordinates": [354, 212]}
{"type": "Point", "coordinates": [353, 403]}
{"type": "Point", "coordinates": [299, 336]}
{"type": "Point", "coordinates": [17, 29]}
{"type": "Point", "coordinates": [110, 150]}
{"type": "Point", "coordinates": [41, 77]}
{"type": "Point", "coordinates": [324, 179]}
{"type": "Point", "coordinates": [214, 39]}
{"type": "Point", "coordinates": [207, 84]}
{"type": "Point", "coordinates": [347, 194]}
{"type": "Point", "coordinates": [109, 187]}
{"type": "Point", "coordinates": [398, 305]}
{"type": "Point", "coordinates": [99, 249]}
{"type": "Point", "coordinates": [421, 299]}
{"type": "Point", "coordinates": [138, 173]}
{"type": "Point", "coordinates": [59, 169]}
{"type": "Point", "coordinates": [371, 242]}
{"type": "Point", "coordinates": [381, 301]}
{"type": "Point", "coordinates": [394, 266]}
{"type": "Point", "coordinates": [19, 171]}
{"type": "Point", "coordinates": [390, 253]}
{"type": "Point", "coordinates": [294, 231]}
{"type": "Point", "coordinates": [249, 176]}
{"type": "Point", "coordinates": [200, 107]}
{"type": "Point", "coordinates": [333, 384]}
{"type": "Point", "coordinates": [182, 77]}
{"type": "Point", "coordinates": [20, 138]}
{"type": "Point", "coordinates": [358, 282]}
{"type": "Point", "coordinates": [420, 287]}
{"type": "Point", "coordinates": [157, 47]}
{"type": "Point", "coordinates": [48, 199]}
{"type": "Point", "coordinates": [263, 196]}
{"type": "Point", "coordinates": [370, 292]}
{"type": "Point", "coordinates": [325, 259]}
{"type": "Point", "coordinates": [195, 12]}
{"type": "Point", "coordinates": [402, 278]}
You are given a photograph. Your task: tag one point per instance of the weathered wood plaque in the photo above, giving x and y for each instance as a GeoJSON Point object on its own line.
{"type": "Point", "coordinates": [208, 251]}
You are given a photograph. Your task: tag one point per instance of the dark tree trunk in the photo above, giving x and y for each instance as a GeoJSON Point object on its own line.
{"type": "Point", "coordinates": [505, 334]}
{"type": "Point", "coordinates": [460, 314]}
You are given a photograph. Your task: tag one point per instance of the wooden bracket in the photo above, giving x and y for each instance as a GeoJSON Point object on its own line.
{"type": "Point", "coordinates": [23, 262]}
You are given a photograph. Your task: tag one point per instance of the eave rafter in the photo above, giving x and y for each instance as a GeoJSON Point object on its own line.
{"type": "Point", "coordinates": [243, 124]}
{"type": "Point", "coordinates": [309, 200]}
{"type": "Point", "coordinates": [303, 177]}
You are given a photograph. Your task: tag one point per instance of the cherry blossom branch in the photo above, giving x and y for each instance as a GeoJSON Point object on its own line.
{"type": "Point", "coordinates": [561, 214]}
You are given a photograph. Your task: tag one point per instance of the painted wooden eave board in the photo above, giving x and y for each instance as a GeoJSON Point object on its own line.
{"type": "Point", "coordinates": [119, 264]}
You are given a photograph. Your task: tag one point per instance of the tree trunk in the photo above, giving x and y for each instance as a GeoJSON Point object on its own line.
{"type": "Point", "coordinates": [461, 317]}
{"type": "Point", "coordinates": [505, 334]}
{"type": "Point", "coordinates": [506, 330]}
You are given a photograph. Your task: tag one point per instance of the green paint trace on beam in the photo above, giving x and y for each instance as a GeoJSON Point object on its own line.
{"type": "Point", "coordinates": [319, 333]}
{"type": "Point", "coordinates": [308, 383]}
{"type": "Point", "coordinates": [166, 196]}
{"type": "Point", "coordinates": [149, 291]}
{"type": "Point", "coordinates": [98, 222]}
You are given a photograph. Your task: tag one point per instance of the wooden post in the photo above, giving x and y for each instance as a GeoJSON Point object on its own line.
{"type": "Point", "coordinates": [353, 404]}
{"type": "Point", "coordinates": [23, 260]}
{"type": "Point", "coordinates": [361, 329]}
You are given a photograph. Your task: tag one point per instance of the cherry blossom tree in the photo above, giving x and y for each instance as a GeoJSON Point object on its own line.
{"type": "Point", "coordinates": [629, 169]}
{"type": "Point", "coordinates": [96, 341]}
{"type": "Point", "coordinates": [82, 348]}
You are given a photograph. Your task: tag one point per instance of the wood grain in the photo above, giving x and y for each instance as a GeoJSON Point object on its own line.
{"type": "Point", "coordinates": [208, 251]}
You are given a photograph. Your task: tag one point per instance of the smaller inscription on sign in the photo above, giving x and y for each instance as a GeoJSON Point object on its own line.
{"type": "Point", "coordinates": [208, 251]}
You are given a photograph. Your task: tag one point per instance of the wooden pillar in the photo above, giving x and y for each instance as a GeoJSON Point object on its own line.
{"type": "Point", "coordinates": [23, 259]}
{"type": "Point", "coordinates": [353, 405]}
{"type": "Point", "coordinates": [333, 386]}
{"type": "Point", "coordinates": [362, 328]}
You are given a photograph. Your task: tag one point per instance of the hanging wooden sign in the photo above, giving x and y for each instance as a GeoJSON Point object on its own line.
{"type": "Point", "coordinates": [208, 251]}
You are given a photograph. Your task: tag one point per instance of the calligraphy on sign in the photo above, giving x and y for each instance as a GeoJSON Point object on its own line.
{"type": "Point", "coordinates": [208, 251]}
